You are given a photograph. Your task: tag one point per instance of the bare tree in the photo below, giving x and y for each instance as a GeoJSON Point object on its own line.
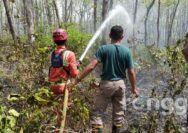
{"type": "Point", "coordinates": [1, 16]}
{"type": "Point", "coordinates": [43, 15]}
{"type": "Point", "coordinates": [111, 4]}
{"type": "Point", "coordinates": [104, 9]}
{"type": "Point", "coordinates": [171, 19]}
{"type": "Point", "coordinates": [81, 17]}
{"type": "Point", "coordinates": [146, 19]}
{"type": "Point", "coordinates": [167, 14]}
{"type": "Point", "coordinates": [134, 21]}
{"type": "Point", "coordinates": [134, 17]}
{"type": "Point", "coordinates": [37, 12]}
{"type": "Point", "coordinates": [57, 13]}
{"type": "Point", "coordinates": [171, 23]}
{"type": "Point", "coordinates": [95, 15]}
{"type": "Point", "coordinates": [158, 21]}
{"type": "Point", "coordinates": [135, 11]}
{"type": "Point", "coordinates": [30, 21]}
{"type": "Point", "coordinates": [48, 12]}
{"type": "Point", "coordinates": [65, 11]}
{"type": "Point", "coordinates": [71, 11]}
{"type": "Point", "coordinates": [104, 13]}
{"type": "Point", "coordinates": [10, 21]}
{"type": "Point", "coordinates": [17, 17]}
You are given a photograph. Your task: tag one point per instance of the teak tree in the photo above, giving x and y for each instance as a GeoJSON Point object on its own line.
{"type": "Point", "coordinates": [10, 20]}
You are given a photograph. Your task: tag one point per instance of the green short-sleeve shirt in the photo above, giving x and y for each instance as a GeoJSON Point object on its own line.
{"type": "Point", "coordinates": [115, 59]}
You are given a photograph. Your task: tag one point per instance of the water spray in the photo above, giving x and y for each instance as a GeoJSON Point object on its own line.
{"type": "Point", "coordinates": [118, 9]}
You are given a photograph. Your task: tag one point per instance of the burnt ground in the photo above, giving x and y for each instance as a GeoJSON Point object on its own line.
{"type": "Point", "coordinates": [136, 120]}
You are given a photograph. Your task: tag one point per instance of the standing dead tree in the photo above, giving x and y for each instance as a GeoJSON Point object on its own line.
{"type": "Point", "coordinates": [134, 21]}
{"type": "Point", "coordinates": [1, 16]}
{"type": "Point", "coordinates": [104, 13]}
{"type": "Point", "coordinates": [111, 4]}
{"type": "Point", "coordinates": [135, 11]}
{"type": "Point", "coordinates": [104, 9]}
{"type": "Point", "coordinates": [65, 11]}
{"type": "Point", "coordinates": [134, 18]}
{"type": "Point", "coordinates": [48, 12]}
{"type": "Point", "coordinates": [146, 20]}
{"type": "Point", "coordinates": [10, 21]}
{"type": "Point", "coordinates": [158, 21]}
{"type": "Point", "coordinates": [57, 13]}
{"type": "Point", "coordinates": [171, 22]}
{"type": "Point", "coordinates": [30, 21]}
{"type": "Point", "coordinates": [69, 13]}
{"type": "Point", "coordinates": [95, 15]}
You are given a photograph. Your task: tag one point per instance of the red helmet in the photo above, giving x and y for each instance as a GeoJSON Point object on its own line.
{"type": "Point", "coordinates": [60, 35]}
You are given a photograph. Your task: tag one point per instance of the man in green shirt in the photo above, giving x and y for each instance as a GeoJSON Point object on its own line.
{"type": "Point", "coordinates": [116, 60]}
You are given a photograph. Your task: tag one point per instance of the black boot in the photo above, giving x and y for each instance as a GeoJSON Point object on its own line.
{"type": "Point", "coordinates": [116, 129]}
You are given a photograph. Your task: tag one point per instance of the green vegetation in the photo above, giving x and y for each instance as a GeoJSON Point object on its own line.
{"type": "Point", "coordinates": [171, 69]}
{"type": "Point", "coordinates": [27, 105]}
{"type": "Point", "coordinates": [30, 106]}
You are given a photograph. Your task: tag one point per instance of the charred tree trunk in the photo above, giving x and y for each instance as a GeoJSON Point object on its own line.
{"type": "Point", "coordinates": [158, 21]}
{"type": "Point", "coordinates": [134, 21]}
{"type": "Point", "coordinates": [134, 18]}
{"type": "Point", "coordinates": [57, 13]}
{"type": "Point", "coordinates": [81, 18]}
{"type": "Point", "coordinates": [104, 9]}
{"type": "Point", "coordinates": [17, 18]}
{"type": "Point", "coordinates": [146, 19]}
{"type": "Point", "coordinates": [48, 12]}
{"type": "Point", "coordinates": [167, 25]}
{"type": "Point", "coordinates": [111, 4]}
{"type": "Point", "coordinates": [43, 15]}
{"type": "Point", "coordinates": [65, 11]}
{"type": "Point", "coordinates": [135, 11]}
{"type": "Point", "coordinates": [1, 16]}
{"type": "Point", "coordinates": [95, 15]}
{"type": "Point", "coordinates": [30, 22]}
{"type": "Point", "coordinates": [23, 13]}
{"type": "Point", "coordinates": [54, 17]}
{"type": "Point", "coordinates": [33, 11]}
{"type": "Point", "coordinates": [104, 13]}
{"type": "Point", "coordinates": [37, 13]}
{"type": "Point", "coordinates": [71, 11]}
{"type": "Point", "coordinates": [10, 21]}
{"type": "Point", "coordinates": [171, 23]}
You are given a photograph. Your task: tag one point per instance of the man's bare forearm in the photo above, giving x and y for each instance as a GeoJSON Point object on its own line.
{"type": "Point", "coordinates": [88, 69]}
{"type": "Point", "coordinates": [132, 78]}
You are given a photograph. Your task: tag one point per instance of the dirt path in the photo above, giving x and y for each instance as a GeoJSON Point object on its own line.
{"type": "Point", "coordinates": [138, 120]}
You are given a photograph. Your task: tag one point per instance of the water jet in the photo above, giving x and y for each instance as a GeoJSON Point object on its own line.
{"type": "Point", "coordinates": [118, 9]}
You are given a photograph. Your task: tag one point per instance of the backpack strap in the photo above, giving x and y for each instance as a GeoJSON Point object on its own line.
{"type": "Point", "coordinates": [61, 53]}
{"type": "Point", "coordinates": [118, 64]}
{"type": "Point", "coordinates": [65, 57]}
{"type": "Point", "coordinates": [65, 53]}
{"type": "Point", "coordinates": [63, 60]}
